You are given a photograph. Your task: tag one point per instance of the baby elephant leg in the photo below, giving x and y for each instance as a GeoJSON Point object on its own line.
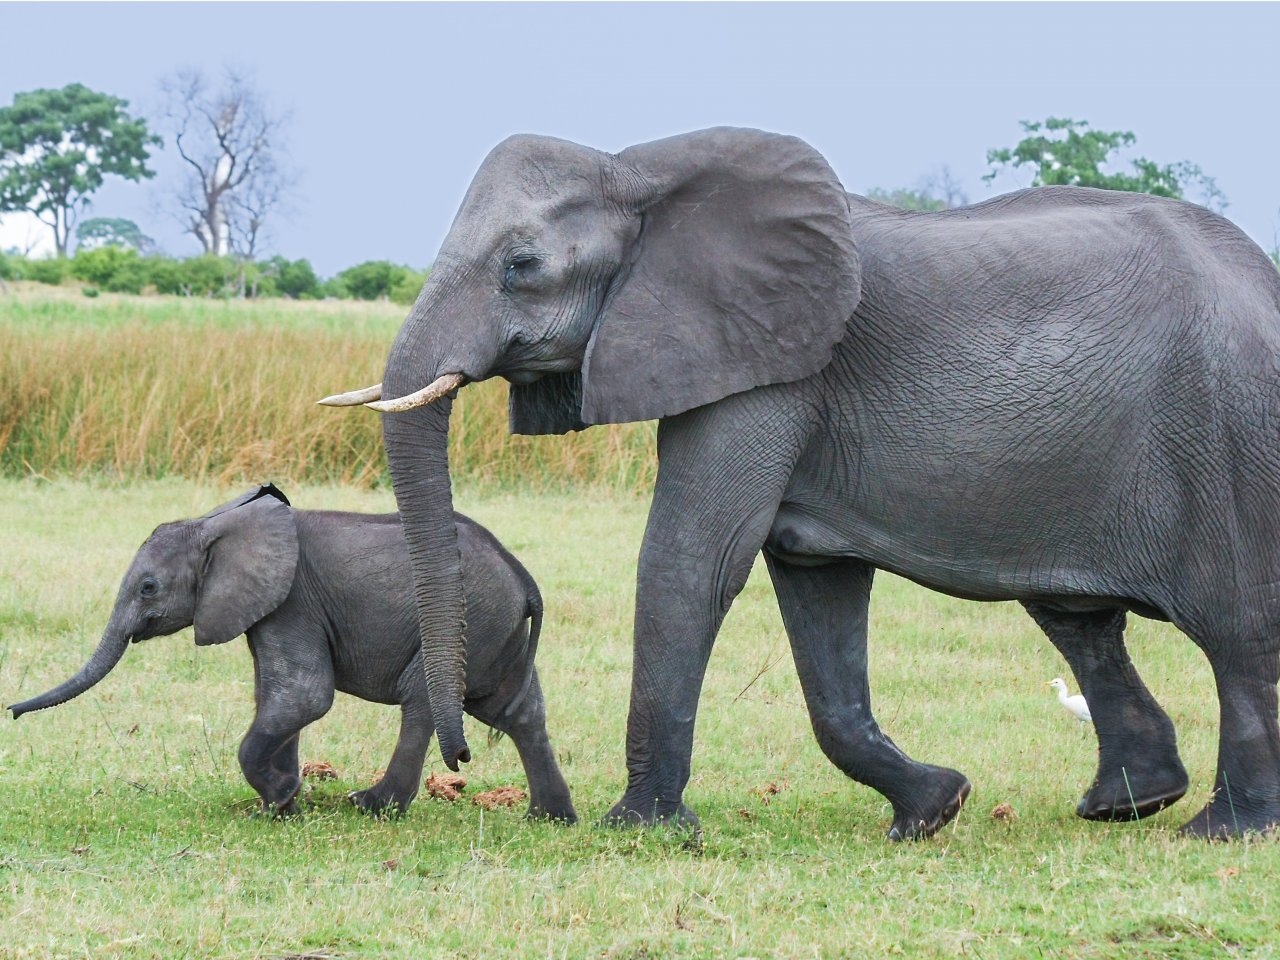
{"type": "Point", "coordinates": [392, 794]}
{"type": "Point", "coordinates": [264, 761]}
{"type": "Point", "coordinates": [527, 727]}
{"type": "Point", "coordinates": [288, 698]}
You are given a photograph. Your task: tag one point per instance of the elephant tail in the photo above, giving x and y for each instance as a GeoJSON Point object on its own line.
{"type": "Point", "coordinates": [533, 610]}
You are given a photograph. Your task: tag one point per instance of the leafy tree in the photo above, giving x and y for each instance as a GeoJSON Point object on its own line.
{"type": "Point", "coordinates": [113, 232]}
{"type": "Point", "coordinates": [57, 147]}
{"type": "Point", "coordinates": [118, 269]}
{"type": "Point", "coordinates": [907, 199]}
{"type": "Point", "coordinates": [937, 191]}
{"type": "Point", "coordinates": [371, 280]}
{"type": "Point", "coordinates": [295, 279]}
{"type": "Point", "coordinates": [406, 289]}
{"type": "Point", "coordinates": [1068, 153]}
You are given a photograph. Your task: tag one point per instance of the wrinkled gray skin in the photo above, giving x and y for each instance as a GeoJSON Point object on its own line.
{"type": "Point", "coordinates": [326, 600]}
{"type": "Point", "coordinates": [1062, 396]}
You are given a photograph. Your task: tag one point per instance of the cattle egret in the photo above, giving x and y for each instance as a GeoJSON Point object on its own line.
{"type": "Point", "coordinates": [1074, 704]}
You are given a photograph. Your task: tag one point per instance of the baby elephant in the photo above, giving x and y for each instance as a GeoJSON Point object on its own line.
{"type": "Point", "coordinates": [327, 602]}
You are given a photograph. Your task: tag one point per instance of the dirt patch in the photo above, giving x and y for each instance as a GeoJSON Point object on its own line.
{"type": "Point", "coordinates": [500, 797]}
{"type": "Point", "coordinates": [769, 791]}
{"type": "Point", "coordinates": [444, 786]}
{"type": "Point", "coordinates": [318, 770]}
{"type": "Point", "coordinates": [1005, 812]}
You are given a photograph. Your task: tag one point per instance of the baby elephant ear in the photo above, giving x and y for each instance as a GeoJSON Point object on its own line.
{"type": "Point", "coordinates": [744, 274]}
{"type": "Point", "coordinates": [253, 493]}
{"type": "Point", "coordinates": [250, 558]}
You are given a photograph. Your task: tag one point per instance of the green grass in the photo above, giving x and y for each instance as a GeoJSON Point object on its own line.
{"type": "Point", "coordinates": [127, 829]}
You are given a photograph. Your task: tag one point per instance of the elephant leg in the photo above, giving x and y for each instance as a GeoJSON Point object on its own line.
{"type": "Point", "coordinates": [403, 777]}
{"type": "Point", "coordinates": [722, 472]}
{"type": "Point", "coordinates": [258, 751]}
{"type": "Point", "coordinates": [284, 764]}
{"type": "Point", "coordinates": [527, 727]}
{"type": "Point", "coordinates": [824, 609]}
{"type": "Point", "coordinates": [1246, 794]}
{"type": "Point", "coordinates": [1139, 771]}
{"type": "Point", "coordinates": [291, 690]}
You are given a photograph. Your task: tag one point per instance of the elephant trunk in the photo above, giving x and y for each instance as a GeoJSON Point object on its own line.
{"type": "Point", "coordinates": [110, 649]}
{"type": "Point", "coordinates": [417, 444]}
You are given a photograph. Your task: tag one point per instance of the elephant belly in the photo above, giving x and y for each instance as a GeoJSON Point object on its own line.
{"type": "Point", "coordinates": [949, 558]}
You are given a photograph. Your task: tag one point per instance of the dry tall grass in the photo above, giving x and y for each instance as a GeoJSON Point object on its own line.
{"type": "Point", "coordinates": [89, 387]}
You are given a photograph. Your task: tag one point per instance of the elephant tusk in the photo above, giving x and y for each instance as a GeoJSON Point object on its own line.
{"type": "Point", "coordinates": [428, 394]}
{"type": "Point", "coordinates": [354, 398]}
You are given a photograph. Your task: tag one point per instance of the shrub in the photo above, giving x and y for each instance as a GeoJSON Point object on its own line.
{"type": "Point", "coordinates": [163, 274]}
{"type": "Point", "coordinates": [208, 276]}
{"type": "Point", "coordinates": [371, 280]}
{"type": "Point", "coordinates": [52, 271]}
{"type": "Point", "coordinates": [286, 278]}
{"type": "Point", "coordinates": [377, 280]}
{"type": "Point", "coordinates": [11, 266]}
{"type": "Point", "coordinates": [406, 289]}
{"type": "Point", "coordinates": [102, 266]}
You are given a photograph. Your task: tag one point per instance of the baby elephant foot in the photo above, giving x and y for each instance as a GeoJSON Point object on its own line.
{"type": "Point", "coordinates": [380, 802]}
{"type": "Point", "coordinates": [922, 813]}
{"type": "Point", "coordinates": [282, 800]}
{"type": "Point", "coordinates": [1133, 793]}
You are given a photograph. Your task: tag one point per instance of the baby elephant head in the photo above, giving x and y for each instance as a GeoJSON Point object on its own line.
{"type": "Point", "coordinates": [222, 572]}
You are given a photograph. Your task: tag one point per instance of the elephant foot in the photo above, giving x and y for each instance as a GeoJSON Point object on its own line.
{"type": "Point", "coordinates": [942, 794]}
{"type": "Point", "coordinates": [1133, 793]}
{"type": "Point", "coordinates": [654, 813]}
{"type": "Point", "coordinates": [1228, 817]}
{"type": "Point", "coordinates": [379, 803]}
{"type": "Point", "coordinates": [283, 801]}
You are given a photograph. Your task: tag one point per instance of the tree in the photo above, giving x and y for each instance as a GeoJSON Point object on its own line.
{"type": "Point", "coordinates": [1068, 153]}
{"type": "Point", "coordinates": [230, 142]}
{"type": "Point", "coordinates": [937, 191]}
{"type": "Point", "coordinates": [57, 147]}
{"type": "Point", "coordinates": [113, 232]}
{"type": "Point", "coordinates": [906, 199]}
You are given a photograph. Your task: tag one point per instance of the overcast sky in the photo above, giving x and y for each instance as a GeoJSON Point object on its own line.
{"type": "Point", "coordinates": [394, 106]}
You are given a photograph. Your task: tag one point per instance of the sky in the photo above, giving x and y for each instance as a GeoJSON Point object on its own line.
{"type": "Point", "coordinates": [393, 106]}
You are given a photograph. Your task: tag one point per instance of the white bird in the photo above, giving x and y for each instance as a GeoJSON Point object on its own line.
{"type": "Point", "coordinates": [1074, 704]}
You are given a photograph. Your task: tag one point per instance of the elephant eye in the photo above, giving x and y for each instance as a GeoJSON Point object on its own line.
{"type": "Point", "coordinates": [518, 268]}
{"type": "Point", "coordinates": [149, 587]}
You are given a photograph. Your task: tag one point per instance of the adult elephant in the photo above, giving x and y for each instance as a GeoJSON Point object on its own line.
{"type": "Point", "coordinates": [1062, 396]}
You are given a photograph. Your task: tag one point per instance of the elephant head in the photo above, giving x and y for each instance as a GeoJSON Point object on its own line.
{"type": "Point", "coordinates": [222, 572]}
{"type": "Point", "coordinates": [606, 288]}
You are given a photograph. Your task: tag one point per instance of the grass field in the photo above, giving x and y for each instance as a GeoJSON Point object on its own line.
{"type": "Point", "coordinates": [127, 831]}
{"type": "Point", "coordinates": [127, 388]}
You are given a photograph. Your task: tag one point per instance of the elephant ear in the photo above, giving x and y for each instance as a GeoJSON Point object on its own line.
{"type": "Point", "coordinates": [250, 557]}
{"type": "Point", "coordinates": [744, 274]}
{"type": "Point", "coordinates": [253, 493]}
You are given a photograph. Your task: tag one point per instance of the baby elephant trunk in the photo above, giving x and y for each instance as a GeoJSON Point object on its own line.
{"type": "Point", "coordinates": [110, 649]}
